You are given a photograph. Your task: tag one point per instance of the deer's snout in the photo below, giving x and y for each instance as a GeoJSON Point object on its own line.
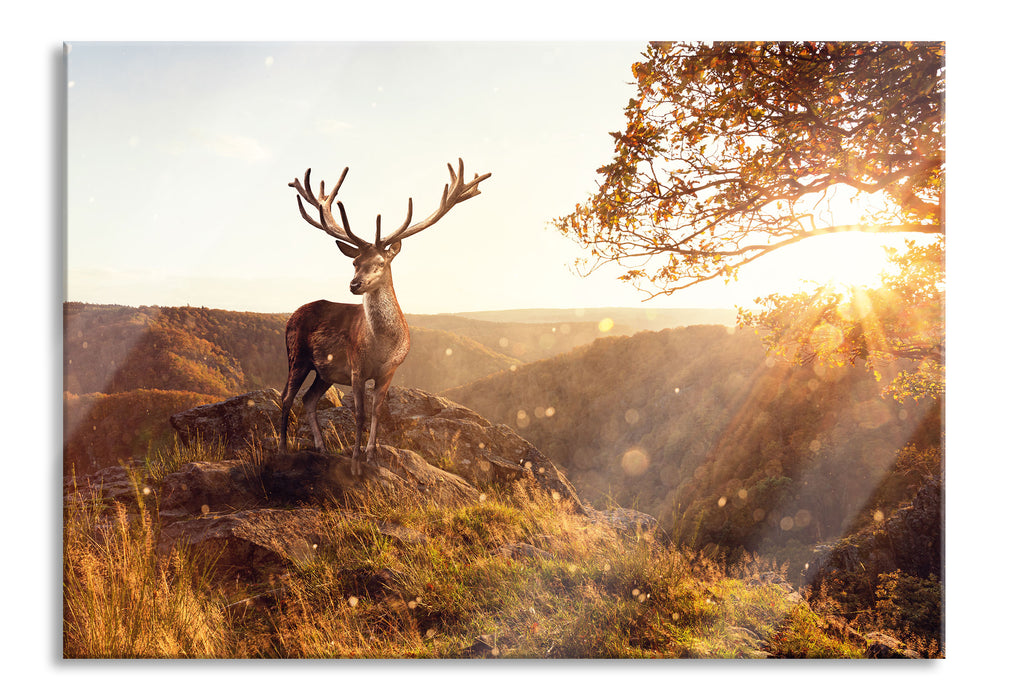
{"type": "Point", "coordinates": [355, 287]}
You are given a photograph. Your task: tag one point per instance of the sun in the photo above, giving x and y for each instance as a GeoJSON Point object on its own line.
{"type": "Point", "coordinates": [851, 259]}
{"type": "Point", "coordinates": [843, 259]}
{"type": "Point", "coordinates": [846, 260]}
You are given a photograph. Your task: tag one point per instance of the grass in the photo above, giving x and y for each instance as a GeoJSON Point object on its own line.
{"type": "Point", "coordinates": [121, 600]}
{"type": "Point", "coordinates": [164, 461]}
{"type": "Point", "coordinates": [513, 575]}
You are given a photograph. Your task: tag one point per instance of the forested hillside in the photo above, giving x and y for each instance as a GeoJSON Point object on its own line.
{"type": "Point", "coordinates": [111, 351]}
{"type": "Point", "coordinates": [726, 447]}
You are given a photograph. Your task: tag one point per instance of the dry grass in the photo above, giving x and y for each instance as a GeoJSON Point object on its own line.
{"type": "Point", "coordinates": [121, 600]}
{"type": "Point", "coordinates": [515, 574]}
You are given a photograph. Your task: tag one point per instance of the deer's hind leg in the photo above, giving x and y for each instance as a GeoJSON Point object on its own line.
{"type": "Point", "coordinates": [295, 378]}
{"type": "Point", "coordinates": [311, 400]}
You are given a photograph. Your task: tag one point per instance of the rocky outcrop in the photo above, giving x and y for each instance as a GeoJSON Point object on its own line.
{"type": "Point", "coordinates": [442, 432]}
{"type": "Point", "coordinates": [248, 542]}
{"type": "Point", "coordinates": [236, 423]}
{"type": "Point", "coordinates": [910, 540]}
{"type": "Point", "coordinates": [258, 509]}
{"type": "Point", "coordinates": [315, 477]}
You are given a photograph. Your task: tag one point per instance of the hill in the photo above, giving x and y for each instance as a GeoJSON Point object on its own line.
{"type": "Point", "coordinates": [741, 459]}
{"type": "Point", "coordinates": [730, 450]}
{"type": "Point", "coordinates": [112, 349]}
{"type": "Point", "coordinates": [632, 319]}
{"type": "Point", "coordinates": [117, 359]}
{"type": "Point", "coordinates": [534, 334]}
{"type": "Point", "coordinates": [524, 341]}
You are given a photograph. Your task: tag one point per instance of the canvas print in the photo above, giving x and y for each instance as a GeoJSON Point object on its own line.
{"type": "Point", "coordinates": [660, 373]}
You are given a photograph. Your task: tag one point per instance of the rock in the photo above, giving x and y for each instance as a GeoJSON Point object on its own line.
{"type": "Point", "coordinates": [882, 646]}
{"type": "Point", "coordinates": [631, 523]}
{"type": "Point", "coordinates": [201, 487]}
{"type": "Point", "coordinates": [111, 483]}
{"type": "Point", "coordinates": [909, 540]}
{"type": "Point", "coordinates": [450, 434]}
{"type": "Point", "coordinates": [405, 405]}
{"type": "Point", "coordinates": [250, 541]}
{"type": "Point", "coordinates": [315, 477]}
{"type": "Point", "coordinates": [239, 422]}
{"type": "Point", "coordinates": [442, 432]}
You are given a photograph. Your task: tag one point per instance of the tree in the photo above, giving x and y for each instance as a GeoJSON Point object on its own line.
{"type": "Point", "coordinates": [734, 150]}
{"type": "Point", "coordinates": [898, 329]}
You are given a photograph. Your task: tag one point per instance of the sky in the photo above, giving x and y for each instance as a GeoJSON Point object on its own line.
{"type": "Point", "coordinates": [179, 155]}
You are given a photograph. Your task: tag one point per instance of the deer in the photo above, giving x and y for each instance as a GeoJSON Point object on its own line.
{"type": "Point", "coordinates": [350, 344]}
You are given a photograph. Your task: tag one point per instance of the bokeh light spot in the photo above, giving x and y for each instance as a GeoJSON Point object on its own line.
{"type": "Point", "coordinates": [634, 462]}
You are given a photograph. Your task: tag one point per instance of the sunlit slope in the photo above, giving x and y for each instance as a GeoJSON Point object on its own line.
{"type": "Point", "coordinates": [698, 427]}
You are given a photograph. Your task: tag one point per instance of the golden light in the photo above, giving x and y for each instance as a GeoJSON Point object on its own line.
{"type": "Point", "coordinates": [635, 462]}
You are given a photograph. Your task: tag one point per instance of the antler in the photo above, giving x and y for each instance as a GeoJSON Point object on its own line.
{"type": "Point", "coordinates": [324, 203]}
{"type": "Point", "coordinates": [456, 191]}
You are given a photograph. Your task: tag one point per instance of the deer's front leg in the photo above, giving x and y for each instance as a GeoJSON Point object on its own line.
{"type": "Point", "coordinates": [378, 399]}
{"type": "Point", "coordinates": [357, 387]}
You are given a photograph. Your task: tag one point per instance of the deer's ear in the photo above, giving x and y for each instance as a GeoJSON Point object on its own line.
{"type": "Point", "coordinates": [347, 249]}
{"type": "Point", "coordinates": [393, 250]}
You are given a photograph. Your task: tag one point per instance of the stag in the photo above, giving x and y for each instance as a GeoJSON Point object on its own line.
{"type": "Point", "coordinates": [350, 344]}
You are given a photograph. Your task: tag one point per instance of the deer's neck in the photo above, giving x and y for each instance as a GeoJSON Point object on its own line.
{"type": "Point", "coordinates": [385, 318]}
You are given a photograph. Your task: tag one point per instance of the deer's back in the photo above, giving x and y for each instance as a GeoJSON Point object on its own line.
{"type": "Point", "coordinates": [324, 327]}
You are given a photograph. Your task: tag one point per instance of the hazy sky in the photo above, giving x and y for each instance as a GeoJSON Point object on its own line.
{"type": "Point", "coordinates": [179, 155]}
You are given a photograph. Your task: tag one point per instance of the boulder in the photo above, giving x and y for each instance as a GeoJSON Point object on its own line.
{"type": "Point", "coordinates": [255, 543]}
{"type": "Point", "coordinates": [448, 434]}
{"type": "Point", "coordinates": [237, 423]}
{"type": "Point", "coordinates": [314, 477]}
{"type": "Point", "coordinates": [202, 487]}
{"type": "Point", "coordinates": [116, 483]}
{"type": "Point", "coordinates": [249, 541]}
{"type": "Point", "coordinates": [883, 646]}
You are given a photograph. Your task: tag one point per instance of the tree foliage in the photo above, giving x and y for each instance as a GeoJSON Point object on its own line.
{"type": "Point", "coordinates": [734, 150]}
{"type": "Point", "coordinates": [897, 330]}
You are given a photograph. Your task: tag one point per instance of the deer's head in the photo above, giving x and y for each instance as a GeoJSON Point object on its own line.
{"type": "Point", "coordinates": [371, 261]}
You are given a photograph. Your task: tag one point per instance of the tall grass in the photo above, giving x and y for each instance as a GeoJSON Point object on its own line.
{"type": "Point", "coordinates": [121, 600]}
{"type": "Point", "coordinates": [163, 461]}
{"type": "Point", "coordinates": [514, 574]}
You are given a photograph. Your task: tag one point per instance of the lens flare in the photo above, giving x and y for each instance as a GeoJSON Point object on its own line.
{"type": "Point", "coordinates": [634, 462]}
